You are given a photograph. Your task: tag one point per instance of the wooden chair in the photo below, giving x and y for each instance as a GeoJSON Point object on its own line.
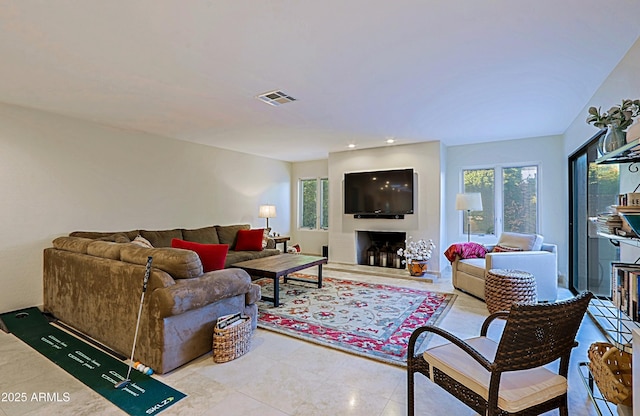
{"type": "Point", "coordinates": [506, 377]}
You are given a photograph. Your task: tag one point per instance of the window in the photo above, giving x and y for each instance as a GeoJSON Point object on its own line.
{"type": "Point", "coordinates": [509, 199]}
{"type": "Point", "coordinates": [314, 204]}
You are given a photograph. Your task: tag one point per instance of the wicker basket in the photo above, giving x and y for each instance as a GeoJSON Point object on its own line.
{"type": "Point", "coordinates": [503, 288]}
{"type": "Point", "coordinates": [232, 342]}
{"type": "Point", "coordinates": [611, 369]}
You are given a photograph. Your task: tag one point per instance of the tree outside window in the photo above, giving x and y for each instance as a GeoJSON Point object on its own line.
{"type": "Point", "coordinates": [314, 203]}
{"type": "Point", "coordinates": [509, 199]}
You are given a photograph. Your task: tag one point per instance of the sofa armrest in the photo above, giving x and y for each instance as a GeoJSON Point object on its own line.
{"type": "Point", "coordinates": [189, 294]}
{"type": "Point", "coordinates": [541, 264]}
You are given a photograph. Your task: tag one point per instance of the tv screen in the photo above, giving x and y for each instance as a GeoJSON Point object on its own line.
{"type": "Point", "coordinates": [387, 192]}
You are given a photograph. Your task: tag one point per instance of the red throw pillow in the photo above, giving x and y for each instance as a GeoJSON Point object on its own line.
{"type": "Point", "coordinates": [212, 256]}
{"type": "Point", "coordinates": [250, 240]}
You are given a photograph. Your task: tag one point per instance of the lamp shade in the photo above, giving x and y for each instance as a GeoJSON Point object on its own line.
{"type": "Point", "coordinates": [469, 202]}
{"type": "Point", "coordinates": [267, 211]}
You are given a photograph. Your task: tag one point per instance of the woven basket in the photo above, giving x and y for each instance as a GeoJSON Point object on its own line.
{"type": "Point", "coordinates": [503, 288]}
{"type": "Point", "coordinates": [232, 342]}
{"type": "Point", "coordinates": [611, 369]}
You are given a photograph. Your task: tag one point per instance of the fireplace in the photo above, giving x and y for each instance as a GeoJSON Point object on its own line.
{"type": "Point", "coordinates": [379, 248]}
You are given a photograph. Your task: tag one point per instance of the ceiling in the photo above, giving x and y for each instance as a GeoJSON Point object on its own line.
{"type": "Point", "coordinates": [459, 71]}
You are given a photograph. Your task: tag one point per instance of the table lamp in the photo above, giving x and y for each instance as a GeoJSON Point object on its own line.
{"type": "Point", "coordinates": [469, 202]}
{"type": "Point", "coordinates": [267, 211]}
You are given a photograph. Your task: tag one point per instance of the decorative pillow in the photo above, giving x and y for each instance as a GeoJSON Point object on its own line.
{"type": "Point", "coordinates": [212, 256]}
{"type": "Point", "coordinates": [228, 234]}
{"type": "Point", "coordinates": [250, 240]}
{"type": "Point", "coordinates": [142, 242]}
{"type": "Point", "coordinates": [501, 248]}
{"type": "Point", "coordinates": [265, 238]}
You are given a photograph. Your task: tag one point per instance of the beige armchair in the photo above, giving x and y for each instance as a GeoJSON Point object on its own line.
{"type": "Point", "coordinates": [532, 256]}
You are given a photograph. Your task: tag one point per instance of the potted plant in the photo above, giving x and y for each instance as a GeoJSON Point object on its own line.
{"type": "Point", "coordinates": [617, 119]}
{"type": "Point", "coordinates": [416, 254]}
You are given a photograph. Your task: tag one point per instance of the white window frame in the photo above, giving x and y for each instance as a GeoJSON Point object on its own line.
{"type": "Point", "coordinates": [498, 224]}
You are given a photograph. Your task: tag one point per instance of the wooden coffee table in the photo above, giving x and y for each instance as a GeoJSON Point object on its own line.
{"type": "Point", "coordinates": [274, 267]}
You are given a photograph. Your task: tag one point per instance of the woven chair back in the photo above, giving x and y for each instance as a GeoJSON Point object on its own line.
{"type": "Point", "coordinates": [535, 335]}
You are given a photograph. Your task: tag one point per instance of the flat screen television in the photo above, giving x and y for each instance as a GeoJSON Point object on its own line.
{"type": "Point", "coordinates": [379, 193]}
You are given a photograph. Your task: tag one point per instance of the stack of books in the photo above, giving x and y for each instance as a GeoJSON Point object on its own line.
{"type": "Point", "coordinates": [608, 223]}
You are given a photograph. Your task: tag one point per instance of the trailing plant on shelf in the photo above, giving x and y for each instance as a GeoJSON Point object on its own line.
{"type": "Point", "coordinates": [619, 116]}
{"type": "Point", "coordinates": [420, 250]}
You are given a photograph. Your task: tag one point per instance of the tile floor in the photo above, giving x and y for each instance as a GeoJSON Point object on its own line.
{"type": "Point", "coordinates": [281, 375]}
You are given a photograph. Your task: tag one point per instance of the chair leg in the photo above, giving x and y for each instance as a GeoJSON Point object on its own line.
{"type": "Point", "coordinates": [564, 408]}
{"type": "Point", "coordinates": [410, 385]}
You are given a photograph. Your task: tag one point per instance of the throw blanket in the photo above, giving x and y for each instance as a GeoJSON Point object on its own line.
{"type": "Point", "coordinates": [465, 251]}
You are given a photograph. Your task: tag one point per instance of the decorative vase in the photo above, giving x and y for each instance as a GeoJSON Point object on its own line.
{"type": "Point", "coordinates": [613, 139]}
{"type": "Point", "coordinates": [417, 267]}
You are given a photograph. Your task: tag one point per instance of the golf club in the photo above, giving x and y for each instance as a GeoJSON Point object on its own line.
{"type": "Point", "coordinates": [127, 380]}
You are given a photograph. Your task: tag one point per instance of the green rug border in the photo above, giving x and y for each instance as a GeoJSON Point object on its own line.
{"type": "Point", "coordinates": [437, 317]}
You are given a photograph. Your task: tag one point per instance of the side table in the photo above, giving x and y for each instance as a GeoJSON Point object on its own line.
{"type": "Point", "coordinates": [283, 240]}
{"type": "Point", "coordinates": [504, 287]}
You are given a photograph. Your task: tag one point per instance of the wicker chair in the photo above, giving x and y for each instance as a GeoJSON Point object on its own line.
{"type": "Point", "coordinates": [472, 370]}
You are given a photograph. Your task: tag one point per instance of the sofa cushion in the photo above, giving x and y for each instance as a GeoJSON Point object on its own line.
{"type": "Point", "coordinates": [212, 256]}
{"type": "Point", "coordinates": [527, 242]}
{"type": "Point", "coordinates": [74, 244]}
{"type": "Point", "coordinates": [227, 234]}
{"type": "Point", "coordinates": [161, 238]}
{"type": "Point", "coordinates": [106, 249]}
{"type": "Point", "coordinates": [250, 240]}
{"type": "Point", "coordinates": [238, 256]}
{"type": "Point", "coordinates": [180, 264]}
{"type": "Point", "coordinates": [205, 235]}
{"type": "Point", "coordinates": [116, 238]}
{"type": "Point", "coordinates": [105, 236]}
{"type": "Point", "coordinates": [190, 294]}
{"type": "Point", "coordinates": [474, 267]}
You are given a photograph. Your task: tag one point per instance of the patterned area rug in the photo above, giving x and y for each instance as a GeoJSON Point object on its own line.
{"type": "Point", "coordinates": [367, 319]}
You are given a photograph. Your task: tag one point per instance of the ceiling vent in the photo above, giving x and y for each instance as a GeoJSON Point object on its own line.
{"type": "Point", "coordinates": [275, 97]}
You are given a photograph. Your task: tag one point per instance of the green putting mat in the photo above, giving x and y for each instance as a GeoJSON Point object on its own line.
{"type": "Point", "coordinates": [98, 370]}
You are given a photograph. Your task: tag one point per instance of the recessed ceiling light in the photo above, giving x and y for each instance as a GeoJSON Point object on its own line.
{"type": "Point", "coordinates": [351, 145]}
{"type": "Point", "coordinates": [390, 140]}
{"type": "Point", "coordinates": [276, 97]}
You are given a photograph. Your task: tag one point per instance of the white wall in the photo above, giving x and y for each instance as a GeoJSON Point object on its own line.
{"type": "Point", "coordinates": [311, 241]}
{"type": "Point", "coordinates": [545, 151]}
{"type": "Point", "coordinates": [59, 174]}
{"type": "Point", "coordinates": [424, 158]}
{"type": "Point", "coordinates": [623, 82]}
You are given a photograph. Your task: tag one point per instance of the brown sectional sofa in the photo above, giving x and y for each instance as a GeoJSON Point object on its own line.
{"type": "Point", "coordinates": [93, 282]}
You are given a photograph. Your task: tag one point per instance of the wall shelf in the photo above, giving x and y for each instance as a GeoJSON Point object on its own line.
{"type": "Point", "coordinates": [629, 153]}
{"type": "Point", "coordinates": [632, 241]}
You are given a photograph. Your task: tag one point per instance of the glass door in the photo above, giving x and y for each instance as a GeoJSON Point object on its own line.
{"type": "Point", "coordinates": [593, 189]}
